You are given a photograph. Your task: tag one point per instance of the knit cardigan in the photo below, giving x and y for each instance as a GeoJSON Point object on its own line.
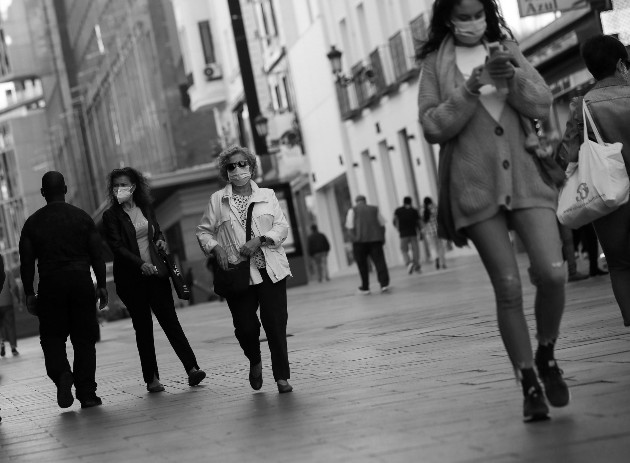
{"type": "Point", "coordinates": [486, 166]}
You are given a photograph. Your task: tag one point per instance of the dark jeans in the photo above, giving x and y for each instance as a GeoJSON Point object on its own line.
{"type": "Point", "coordinates": [613, 232]}
{"type": "Point", "coordinates": [587, 237]}
{"type": "Point", "coordinates": [7, 325]}
{"type": "Point", "coordinates": [538, 229]}
{"type": "Point", "coordinates": [272, 298]}
{"type": "Point", "coordinates": [66, 306]}
{"type": "Point", "coordinates": [155, 294]}
{"type": "Point", "coordinates": [373, 250]}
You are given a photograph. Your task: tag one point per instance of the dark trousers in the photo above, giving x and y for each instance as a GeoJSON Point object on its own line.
{"type": "Point", "coordinates": [272, 299]}
{"type": "Point", "coordinates": [613, 231]}
{"type": "Point", "coordinates": [152, 293]}
{"type": "Point", "coordinates": [7, 325]}
{"type": "Point", "coordinates": [66, 306]}
{"type": "Point", "coordinates": [586, 236]}
{"type": "Point", "coordinates": [373, 250]}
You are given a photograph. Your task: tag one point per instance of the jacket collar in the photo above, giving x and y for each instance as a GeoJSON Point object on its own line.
{"type": "Point", "coordinates": [611, 81]}
{"type": "Point", "coordinates": [256, 194]}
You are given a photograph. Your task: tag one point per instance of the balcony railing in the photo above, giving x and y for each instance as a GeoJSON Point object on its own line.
{"type": "Point", "coordinates": [382, 72]}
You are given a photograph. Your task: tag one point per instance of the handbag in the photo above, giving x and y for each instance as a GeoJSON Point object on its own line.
{"type": "Point", "coordinates": [235, 280]}
{"type": "Point", "coordinates": [550, 171]}
{"type": "Point", "coordinates": [597, 184]}
{"type": "Point", "coordinates": [181, 288]}
{"type": "Point", "coordinates": [158, 261]}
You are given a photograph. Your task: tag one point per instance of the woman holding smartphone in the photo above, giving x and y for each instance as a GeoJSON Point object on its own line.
{"type": "Point", "coordinates": [471, 102]}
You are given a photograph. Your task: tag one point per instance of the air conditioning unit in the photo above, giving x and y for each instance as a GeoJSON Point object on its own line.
{"type": "Point", "coordinates": [212, 71]}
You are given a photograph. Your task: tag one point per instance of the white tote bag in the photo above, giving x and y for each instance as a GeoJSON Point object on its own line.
{"type": "Point", "coordinates": [597, 184]}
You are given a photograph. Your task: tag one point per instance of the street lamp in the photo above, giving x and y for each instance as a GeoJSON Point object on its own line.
{"type": "Point", "coordinates": [334, 56]}
{"type": "Point", "coordinates": [262, 127]}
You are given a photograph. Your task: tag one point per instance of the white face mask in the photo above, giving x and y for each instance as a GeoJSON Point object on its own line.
{"type": "Point", "coordinates": [123, 194]}
{"type": "Point", "coordinates": [469, 32]}
{"type": "Point", "coordinates": [240, 176]}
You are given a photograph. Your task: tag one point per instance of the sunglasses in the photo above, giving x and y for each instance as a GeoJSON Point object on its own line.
{"type": "Point", "coordinates": [233, 165]}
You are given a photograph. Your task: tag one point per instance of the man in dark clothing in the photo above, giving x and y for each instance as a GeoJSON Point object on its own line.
{"type": "Point", "coordinates": [366, 226]}
{"type": "Point", "coordinates": [407, 220]}
{"type": "Point", "coordinates": [64, 241]}
{"type": "Point", "coordinates": [318, 248]}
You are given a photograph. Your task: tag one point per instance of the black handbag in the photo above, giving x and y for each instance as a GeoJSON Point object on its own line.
{"type": "Point", "coordinates": [550, 171]}
{"type": "Point", "coordinates": [181, 288]}
{"type": "Point", "coordinates": [158, 261]}
{"type": "Point", "coordinates": [235, 280]}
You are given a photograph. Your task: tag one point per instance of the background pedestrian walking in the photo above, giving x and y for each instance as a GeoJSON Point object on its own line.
{"type": "Point", "coordinates": [8, 298]}
{"type": "Point", "coordinates": [407, 221]}
{"type": "Point", "coordinates": [318, 248]}
{"type": "Point", "coordinates": [429, 218]}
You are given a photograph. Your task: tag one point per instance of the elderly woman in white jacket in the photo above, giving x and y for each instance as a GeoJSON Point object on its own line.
{"type": "Point", "coordinates": [269, 266]}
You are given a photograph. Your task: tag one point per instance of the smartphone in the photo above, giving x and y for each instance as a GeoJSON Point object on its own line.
{"type": "Point", "coordinates": [494, 47]}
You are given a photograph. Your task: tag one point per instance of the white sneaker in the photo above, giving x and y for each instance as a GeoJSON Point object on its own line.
{"type": "Point", "coordinates": [363, 292]}
{"type": "Point", "coordinates": [410, 268]}
{"type": "Point", "coordinates": [385, 289]}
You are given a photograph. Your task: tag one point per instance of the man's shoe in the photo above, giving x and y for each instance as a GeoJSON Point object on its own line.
{"type": "Point", "coordinates": [195, 377]}
{"type": "Point", "coordinates": [385, 289]}
{"type": "Point", "coordinates": [284, 386]}
{"type": "Point", "coordinates": [556, 388]}
{"type": "Point", "coordinates": [64, 390]}
{"type": "Point", "coordinates": [598, 272]}
{"type": "Point", "coordinates": [363, 292]}
{"type": "Point", "coordinates": [91, 402]}
{"type": "Point", "coordinates": [255, 376]}
{"type": "Point", "coordinates": [534, 406]}
{"type": "Point", "coordinates": [577, 276]}
{"type": "Point", "coordinates": [3, 352]}
{"type": "Point", "coordinates": [410, 268]}
{"type": "Point", "coordinates": [15, 352]}
{"type": "Point", "coordinates": [155, 387]}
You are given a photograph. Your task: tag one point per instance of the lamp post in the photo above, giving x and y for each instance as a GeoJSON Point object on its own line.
{"type": "Point", "coordinates": [262, 126]}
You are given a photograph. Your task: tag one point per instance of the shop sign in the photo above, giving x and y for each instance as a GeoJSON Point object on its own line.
{"type": "Point", "coordinates": [534, 7]}
{"type": "Point", "coordinates": [554, 48]}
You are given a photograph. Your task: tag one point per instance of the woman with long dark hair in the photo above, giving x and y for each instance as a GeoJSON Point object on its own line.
{"type": "Point", "coordinates": [476, 92]}
{"type": "Point", "coordinates": [133, 233]}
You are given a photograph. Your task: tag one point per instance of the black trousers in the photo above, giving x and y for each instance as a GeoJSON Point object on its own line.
{"type": "Point", "coordinates": [373, 250]}
{"type": "Point", "coordinates": [272, 299]}
{"type": "Point", "coordinates": [152, 293]}
{"type": "Point", "coordinates": [66, 306]}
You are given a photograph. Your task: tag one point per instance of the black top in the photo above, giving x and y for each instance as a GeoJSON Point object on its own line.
{"type": "Point", "coordinates": [60, 237]}
{"type": "Point", "coordinates": [317, 242]}
{"type": "Point", "coordinates": [407, 219]}
{"type": "Point", "coordinates": [121, 237]}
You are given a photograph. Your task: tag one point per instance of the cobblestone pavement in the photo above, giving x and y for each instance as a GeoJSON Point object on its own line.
{"type": "Point", "coordinates": [416, 375]}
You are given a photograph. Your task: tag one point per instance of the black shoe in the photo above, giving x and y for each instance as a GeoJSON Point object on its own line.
{"type": "Point", "coordinates": [3, 351]}
{"type": "Point", "coordinates": [14, 352]}
{"type": "Point", "coordinates": [284, 386]}
{"type": "Point", "coordinates": [196, 377]}
{"type": "Point", "coordinates": [155, 388]}
{"type": "Point", "coordinates": [64, 390]}
{"type": "Point", "coordinates": [598, 272]}
{"type": "Point", "coordinates": [534, 406]}
{"type": "Point", "coordinates": [255, 382]}
{"type": "Point", "coordinates": [577, 276]}
{"type": "Point", "coordinates": [556, 388]}
{"type": "Point", "coordinates": [94, 401]}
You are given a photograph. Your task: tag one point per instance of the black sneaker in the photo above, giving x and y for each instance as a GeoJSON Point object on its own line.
{"type": "Point", "coordinates": [93, 401]}
{"type": "Point", "coordinates": [3, 352]}
{"type": "Point", "coordinates": [64, 390]}
{"type": "Point", "coordinates": [556, 388]}
{"type": "Point", "coordinates": [534, 405]}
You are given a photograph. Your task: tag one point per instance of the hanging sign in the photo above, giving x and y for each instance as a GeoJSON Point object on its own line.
{"type": "Point", "coordinates": [534, 7]}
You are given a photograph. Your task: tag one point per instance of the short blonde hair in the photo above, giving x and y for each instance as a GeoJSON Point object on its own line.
{"type": "Point", "coordinates": [227, 153]}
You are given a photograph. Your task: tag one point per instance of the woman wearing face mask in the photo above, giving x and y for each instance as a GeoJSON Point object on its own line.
{"type": "Point", "coordinates": [608, 101]}
{"type": "Point", "coordinates": [130, 230]}
{"type": "Point", "coordinates": [269, 267]}
{"type": "Point", "coordinates": [471, 100]}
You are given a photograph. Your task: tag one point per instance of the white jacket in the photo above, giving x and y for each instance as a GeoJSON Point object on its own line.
{"type": "Point", "coordinates": [267, 219]}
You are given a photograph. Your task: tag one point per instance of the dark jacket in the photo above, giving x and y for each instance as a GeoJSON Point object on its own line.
{"type": "Point", "coordinates": [317, 242]}
{"type": "Point", "coordinates": [121, 237]}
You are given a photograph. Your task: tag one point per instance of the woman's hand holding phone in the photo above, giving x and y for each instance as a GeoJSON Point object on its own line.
{"type": "Point", "coordinates": [474, 83]}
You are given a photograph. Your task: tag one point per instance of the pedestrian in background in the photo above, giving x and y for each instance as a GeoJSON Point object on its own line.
{"type": "Point", "coordinates": [607, 60]}
{"type": "Point", "coordinates": [587, 238]}
{"type": "Point", "coordinates": [269, 266]}
{"type": "Point", "coordinates": [318, 248]}
{"type": "Point", "coordinates": [472, 95]}
{"type": "Point", "coordinates": [134, 236]}
{"type": "Point", "coordinates": [8, 297]}
{"type": "Point", "coordinates": [429, 217]}
{"type": "Point", "coordinates": [407, 221]}
{"type": "Point", "coordinates": [366, 227]}
{"type": "Point", "coordinates": [65, 243]}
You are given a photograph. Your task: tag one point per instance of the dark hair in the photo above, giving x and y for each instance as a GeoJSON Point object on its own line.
{"type": "Point", "coordinates": [314, 228]}
{"type": "Point", "coordinates": [426, 213]}
{"type": "Point", "coordinates": [407, 200]}
{"type": "Point", "coordinates": [142, 193]}
{"type": "Point", "coordinates": [601, 54]}
{"type": "Point", "coordinates": [227, 153]}
{"type": "Point", "coordinates": [439, 27]}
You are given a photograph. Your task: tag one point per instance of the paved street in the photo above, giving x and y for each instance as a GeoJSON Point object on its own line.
{"type": "Point", "coordinates": [418, 375]}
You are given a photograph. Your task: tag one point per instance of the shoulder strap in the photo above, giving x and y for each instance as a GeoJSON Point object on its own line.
{"type": "Point", "coordinates": [586, 115]}
{"type": "Point", "coordinates": [248, 223]}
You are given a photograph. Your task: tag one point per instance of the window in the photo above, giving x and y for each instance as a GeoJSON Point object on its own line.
{"type": "Point", "coordinates": [206, 42]}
